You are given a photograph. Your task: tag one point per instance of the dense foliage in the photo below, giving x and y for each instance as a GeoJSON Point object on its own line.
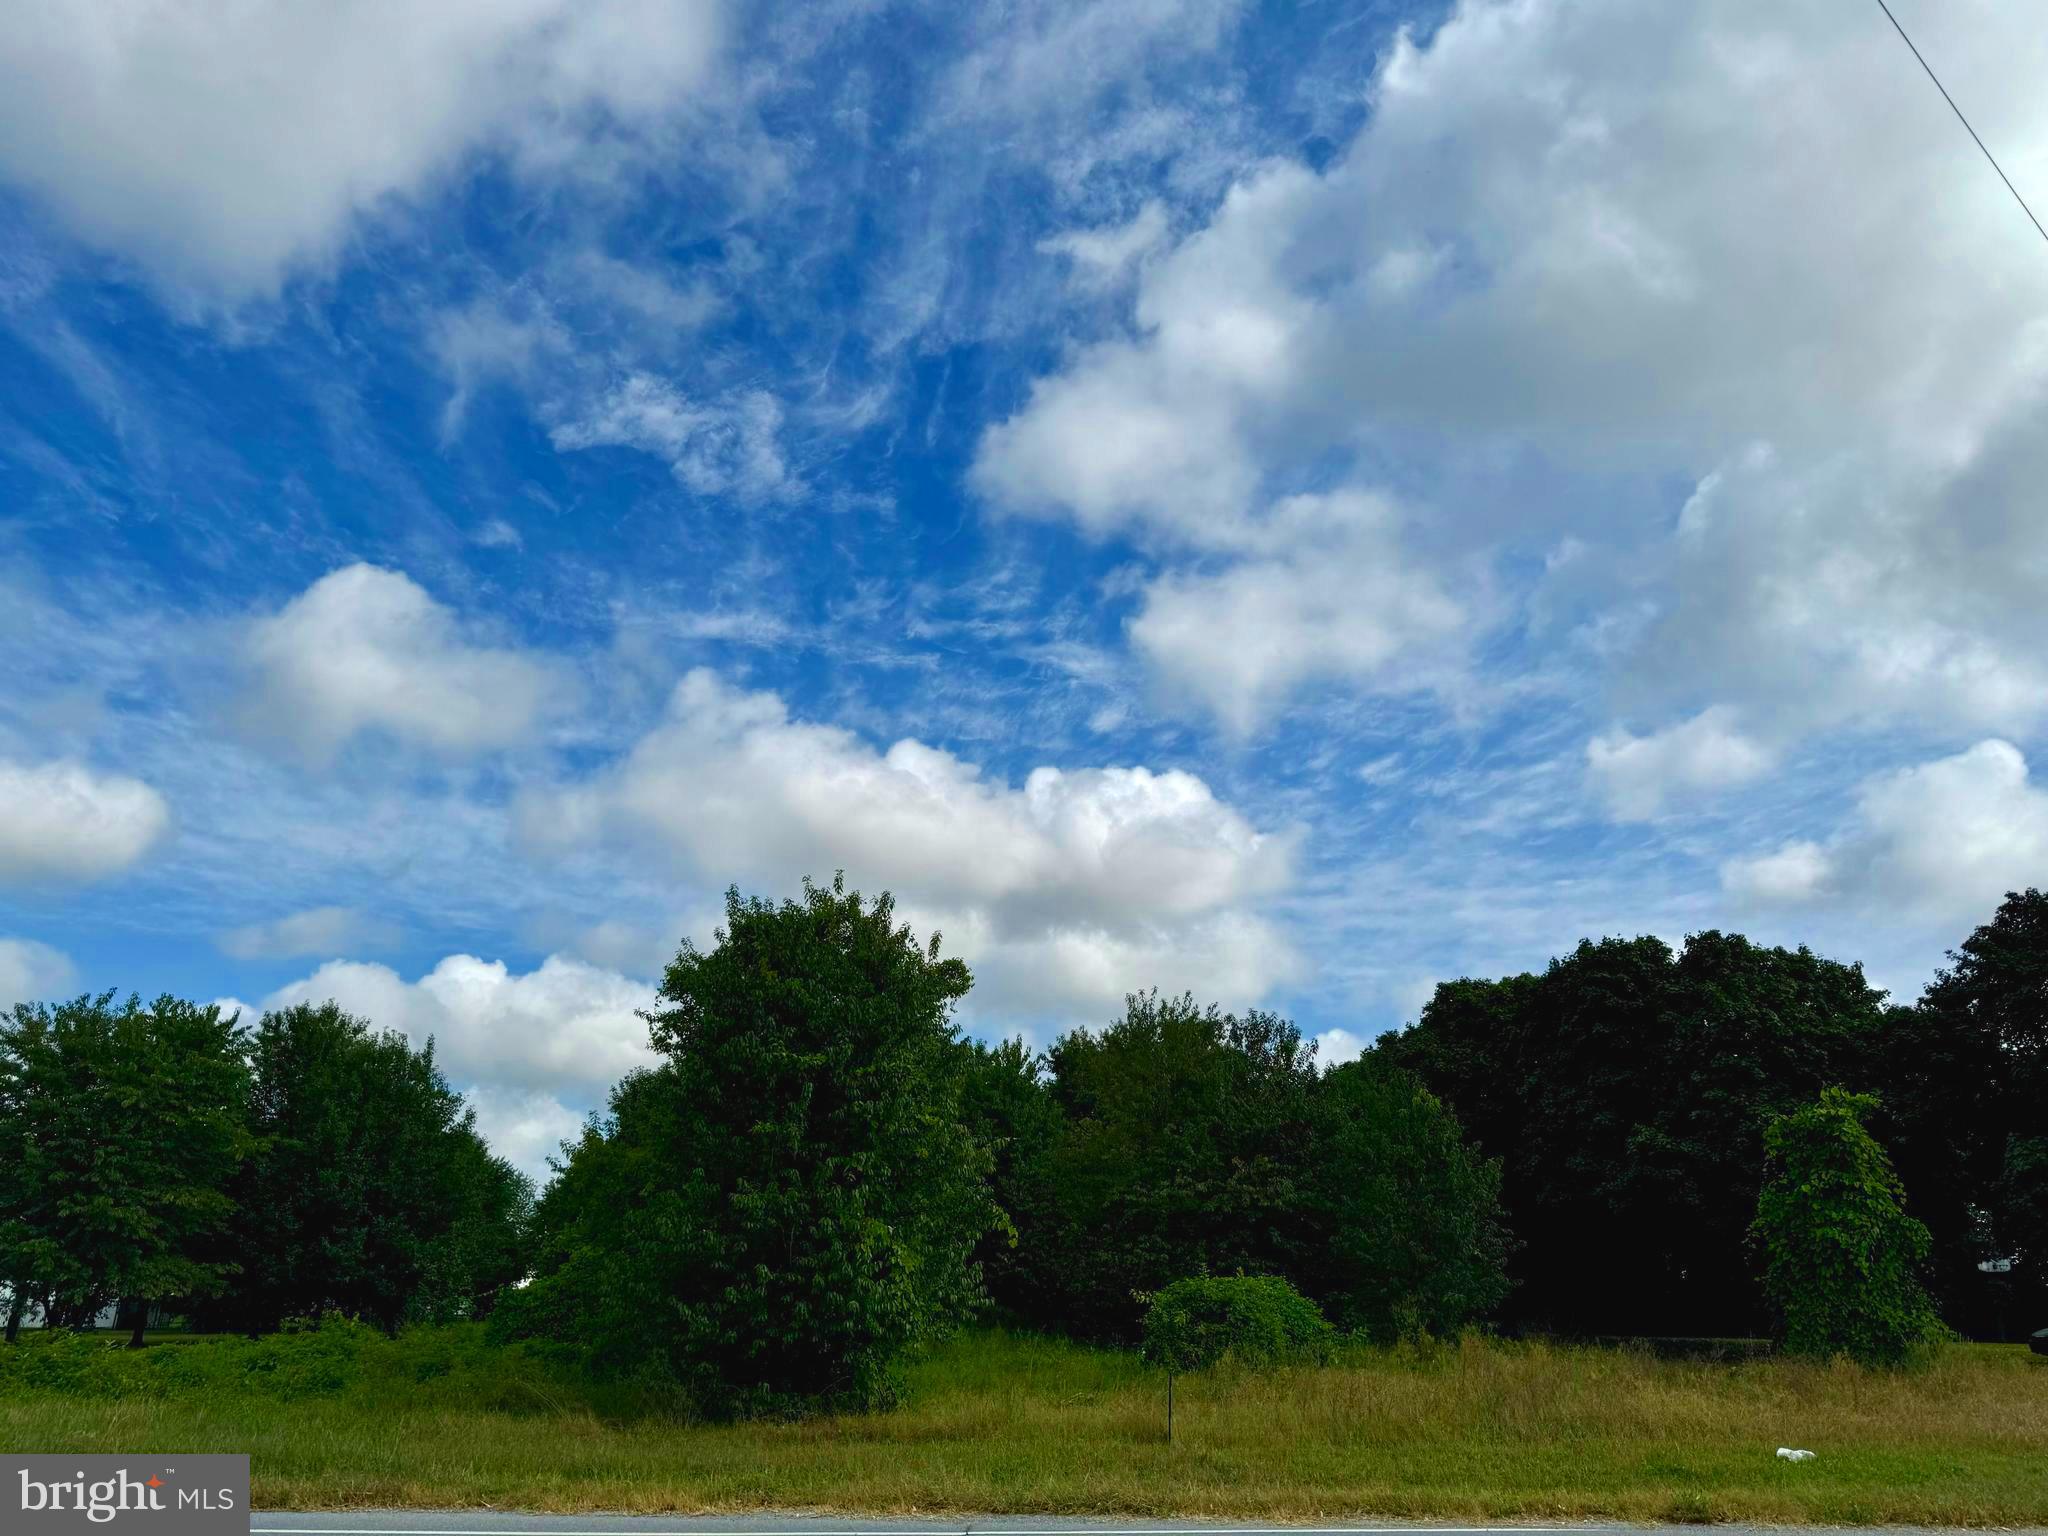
{"type": "Point", "coordinates": [454, 1367]}
{"type": "Point", "coordinates": [1841, 1256]}
{"type": "Point", "coordinates": [1408, 1234]}
{"type": "Point", "coordinates": [122, 1125]}
{"type": "Point", "coordinates": [1184, 1141]}
{"type": "Point", "coordinates": [1965, 1113]}
{"type": "Point", "coordinates": [791, 1199]}
{"type": "Point", "coordinates": [368, 1191]}
{"type": "Point", "coordinates": [1253, 1319]}
{"type": "Point", "coordinates": [1626, 1091]}
{"type": "Point", "coordinates": [821, 1174]}
{"type": "Point", "coordinates": [164, 1154]}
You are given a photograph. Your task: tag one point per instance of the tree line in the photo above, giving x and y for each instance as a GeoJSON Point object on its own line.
{"type": "Point", "coordinates": [820, 1172]}
{"type": "Point", "coordinates": [163, 1154]}
{"type": "Point", "coordinates": [1628, 1090]}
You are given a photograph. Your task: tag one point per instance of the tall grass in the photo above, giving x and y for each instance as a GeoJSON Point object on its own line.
{"type": "Point", "coordinates": [996, 1421]}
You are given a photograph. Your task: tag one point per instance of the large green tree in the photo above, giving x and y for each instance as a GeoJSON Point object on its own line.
{"type": "Point", "coordinates": [1184, 1151]}
{"type": "Point", "coordinates": [1626, 1091]}
{"type": "Point", "coordinates": [369, 1192]}
{"type": "Point", "coordinates": [128, 1122]}
{"type": "Point", "coordinates": [1184, 1141]}
{"type": "Point", "coordinates": [791, 1199]}
{"type": "Point", "coordinates": [1841, 1255]}
{"type": "Point", "coordinates": [1410, 1238]}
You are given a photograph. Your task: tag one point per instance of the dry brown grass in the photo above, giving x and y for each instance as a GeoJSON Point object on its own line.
{"type": "Point", "coordinates": [1483, 1430]}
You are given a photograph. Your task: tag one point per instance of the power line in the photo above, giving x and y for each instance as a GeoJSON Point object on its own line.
{"type": "Point", "coordinates": [2015, 191]}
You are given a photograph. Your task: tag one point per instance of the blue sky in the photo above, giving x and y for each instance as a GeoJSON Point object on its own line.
{"type": "Point", "coordinates": [1292, 501]}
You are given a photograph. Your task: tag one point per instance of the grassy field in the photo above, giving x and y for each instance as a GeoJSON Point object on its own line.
{"type": "Point", "coordinates": [998, 1422]}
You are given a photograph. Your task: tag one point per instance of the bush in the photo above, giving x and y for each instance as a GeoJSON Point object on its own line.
{"type": "Point", "coordinates": [338, 1359]}
{"type": "Point", "coordinates": [1258, 1320]}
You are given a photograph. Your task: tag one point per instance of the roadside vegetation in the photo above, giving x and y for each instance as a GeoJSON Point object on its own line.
{"type": "Point", "coordinates": [765, 1274]}
{"type": "Point", "coordinates": [1485, 1428]}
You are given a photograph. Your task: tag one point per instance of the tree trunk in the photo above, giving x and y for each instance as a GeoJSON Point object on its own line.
{"type": "Point", "coordinates": [16, 1306]}
{"type": "Point", "coordinates": [140, 1317]}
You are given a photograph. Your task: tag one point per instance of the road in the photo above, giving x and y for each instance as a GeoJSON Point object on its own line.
{"type": "Point", "coordinates": [493, 1523]}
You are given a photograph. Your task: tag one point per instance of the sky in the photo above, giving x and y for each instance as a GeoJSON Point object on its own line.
{"type": "Point", "coordinates": [1292, 502]}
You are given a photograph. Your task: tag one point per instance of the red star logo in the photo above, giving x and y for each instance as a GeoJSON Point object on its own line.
{"type": "Point", "coordinates": [154, 1482]}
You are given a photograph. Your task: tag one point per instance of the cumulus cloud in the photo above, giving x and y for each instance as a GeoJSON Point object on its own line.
{"type": "Point", "coordinates": [1640, 774]}
{"type": "Point", "coordinates": [524, 1127]}
{"type": "Point", "coordinates": [223, 144]}
{"type": "Point", "coordinates": [31, 972]}
{"type": "Point", "coordinates": [317, 931]}
{"type": "Point", "coordinates": [366, 649]}
{"type": "Point", "coordinates": [1578, 265]}
{"type": "Point", "coordinates": [1865, 589]}
{"type": "Point", "coordinates": [1337, 598]}
{"type": "Point", "coordinates": [63, 821]}
{"type": "Point", "coordinates": [1334, 1047]}
{"type": "Point", "coordinates": [1077, 886]}
{"type": "Point", "coordinates": [564, 1026]}
{"type": "Point", "coordinates": [1943, 841]}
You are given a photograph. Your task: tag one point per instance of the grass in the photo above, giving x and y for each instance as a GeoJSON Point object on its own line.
{"type": "Point", "coordinates": [1001, 1422]}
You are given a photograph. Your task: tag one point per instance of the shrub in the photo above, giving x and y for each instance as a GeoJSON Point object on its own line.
{"type": "Point", "coordinates": [1256, 1319]}
{"type": "Point", "coordinates": [338, 1359]}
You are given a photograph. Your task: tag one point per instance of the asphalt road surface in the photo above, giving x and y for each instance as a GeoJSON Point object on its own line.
{"type": "Point", "coordinates": [492, 1523]}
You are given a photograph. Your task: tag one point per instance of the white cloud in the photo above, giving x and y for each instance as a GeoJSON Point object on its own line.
{"type": "Point", "coordinates": [1864, 589]}
{"type": "Point", "coordinates": [316, 931]}
{"type": "Point", "coordinates": [1798, 871]}
{"type": "Point", "coordinates": [1077, 886]}
{"type": "Point", "coordinates": [63, 821]}
{"type": "Point", "coordinates": [32, 973]}
{"type": "Point", "coordinates": [1637, 238]}
{"type": "Point", "coordinates": [366, 649]}
{"type": "Point", "coordinates": [1053, 57]}
{"type": "Point", "coordinates": [1339, 599]}
{"type": "Point", "coordinates": [566, 1025]}
{"type": "Point", "coordinates": [730, 447]}
{"type": "Point", "coordinates": [1943, 841]}
{"type": "Point", "coordinates": [524, 1127]}
{"type": "Point", "coordinates": [224, 143]}
{"type": "Point", "coordinates": [1640, 774]}
{"type": "Point", "coordinates": [1103, 256]}
{"type": "Point", "coordinates": [1334, 1047]}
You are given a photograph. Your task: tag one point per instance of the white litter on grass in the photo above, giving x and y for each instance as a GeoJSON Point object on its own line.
{"type": "Point", "coordinates": [1786, 1453]}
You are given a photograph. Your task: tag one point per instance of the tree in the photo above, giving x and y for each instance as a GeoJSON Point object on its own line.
{"type": "Point", "coordinates": [1965, 1110]}
{"type": "Point", "coordinates": [1626, 1091]}
{"type": "Point", "coordinates": [1184, 1148]}
{"type": "Point", "coordinates": [1007, 1103]}
{"type": "Point", "coordinates": [1411, 1238]}
{"type": "Point", "coordinates": [369, 1193]}
{"type": "Point", "coordinates": [482, 1251]}
{"type": "Point", "coordinates": [129, 1125]}
{"type": "Point", "coordinates": [1841, 1256]}
{"type": "Point", "coordinates": [36, 1098]}
{"type": "Point", "coordinates": [790, 1200]}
